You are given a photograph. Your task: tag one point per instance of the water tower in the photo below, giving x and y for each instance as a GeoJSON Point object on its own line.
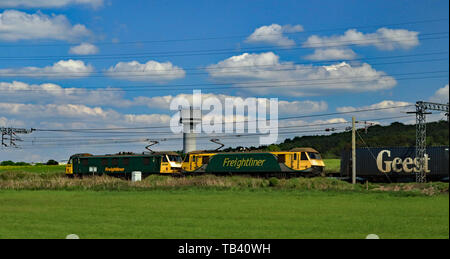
{"type": "Point", "coordinates": [191, 119]}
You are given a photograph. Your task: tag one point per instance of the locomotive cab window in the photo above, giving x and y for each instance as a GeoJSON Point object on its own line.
{"type": "Point", "coordinates": [104, 161]}
{"type": "Point", "coordinates": [174, 158]}
{"type": "Point", "coordinates": [303, 156]}
{"type": "Point", "coordinates": [281, 158]}
{"type": "Point", "coordinates": [314, 155]}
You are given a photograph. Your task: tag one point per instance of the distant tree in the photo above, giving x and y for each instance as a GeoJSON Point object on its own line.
{"type": "Point", "coordinates": [274, 148]}
{"type": "Point", "coordinates": [21, 164]}
{"type": "Point", "coordinates": [52, 162]}
{"type": "Point", "coordinates": [6, 163]}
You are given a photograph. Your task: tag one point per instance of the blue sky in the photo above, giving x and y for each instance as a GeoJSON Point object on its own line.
{"type": "Point", "coordinates": [37, 34]}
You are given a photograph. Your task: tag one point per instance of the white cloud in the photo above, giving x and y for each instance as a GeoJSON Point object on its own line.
{"type": "Point", "coordinates": [303, 107]}
{"type": "Point", "coordinates": [331, 54]}
{"type": "Point", "coordinates": [441, 95]}
{"type": "Point", "coordinates": [384, 112]}
{"type": "Point", "coordinates": [380, 105]}
{"type": "Point", "coordinates": [152, 71]}
{"type": "Point", "coordinates": [383, 38]}
{"type": "Point", "coordinates": [48, 3]}
{"type": "Point", "coordinates": [325, 123]}
{"type": "Point", "coordinates": [52, 110]}
{"type": "Point", "coordinates": [61, 69]}
{"type": "Point", "coordinates": [69, 115]}
{"type": "Point", "coordinates": [112, 97]}
{"type": "Point", "coordinates": [264, 74]}
{"type": "Point", "coordinates": [146, 119]}
{"type": "Point", "coordinates": [5, 122]}
{"type": "Point", "coordinates": [273, 34]}
{"type": "Point", "coordinates": [284, 107]}
{"type": "Point", "coordinates": [51, 93]}
{"type": "Point", "coordinates": [16, 25]}
{"type": "Point", "coordinates": [84, 49]}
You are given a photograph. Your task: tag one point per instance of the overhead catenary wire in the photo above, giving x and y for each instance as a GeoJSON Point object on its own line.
{"type": "Point", "coordinates": [206, 137]}
{"type": "Point", "coordinates": [108, 133]}
{"type": "Point", "coordinates": [164, 140]}
{"type": "Point", "coordinates": [234, 122]}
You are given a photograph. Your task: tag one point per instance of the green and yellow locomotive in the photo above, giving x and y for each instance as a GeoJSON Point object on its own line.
{"type": "Point", "coordinates": [123, 164]}
{"type": "Point", "coordinates": [296, 162]}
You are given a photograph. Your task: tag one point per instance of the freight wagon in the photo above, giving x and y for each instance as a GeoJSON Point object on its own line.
{"type": "Point", "coordinates": [297, 162]}
{"type": "Point", "coordinates": [123, 164]}
{"type": "Point", "coordinates": [396, 164]}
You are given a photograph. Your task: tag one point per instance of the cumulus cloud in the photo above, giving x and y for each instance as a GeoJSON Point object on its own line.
{"type": "Point", "coordinates": [63, 114]}
{"type": "Point", "coordinates": [52, 93]}
{"type": "Point", "coordinates": [48, 3]}
{"type": "Point", "coordinates": [264, 74]}
{"type": "Point", "coordinates": [152, 71]}
{"type": "Point", "coordinates": [284, 107]}
{"type": "Point", "coordinates": [383, 38]}
{"type": "Point", "coordinates": [17, 25]}
{"type": "Point", "coordinates": [61, 69]}
{"type": "Point", "coordinates": [384, 112]}
{"type": "Point", "coordinates": [331, 54]}
{"type": "Point", "coordinates": [5, 122]}
{"type": "Point", "coordinates": [84, 49]}
{"type": "Point", "coordinates": [112, 97]}
{"type": "Point", "coordinates": [441, 95]}
{"type": "Point", "coordinates": [273, 34]}
{"type": "Point", "coordinates": [327, 123]}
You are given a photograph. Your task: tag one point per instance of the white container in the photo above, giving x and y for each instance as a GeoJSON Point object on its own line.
{"type": "Point", "coordinates": [136, 176]}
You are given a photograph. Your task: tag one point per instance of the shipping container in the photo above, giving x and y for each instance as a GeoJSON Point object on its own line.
{"type": "Point", "coordinates": [396, 163]}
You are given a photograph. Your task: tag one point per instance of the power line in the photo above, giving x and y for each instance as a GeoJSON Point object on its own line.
{"type": "Point", "coordinates": [287, 66]}
{"type": "Point", "coordinates": [230, 36]}
{"type": "Point", "coordinates": [238, 85]}
{"type": "Point", "coordinates": [221, 51]}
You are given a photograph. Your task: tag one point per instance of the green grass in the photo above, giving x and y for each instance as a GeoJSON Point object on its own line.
{"type": "Point", "coordinates": [40, 169]}
{"type": "Point", "coordinates": [332, 165]}
{"type": "Point", "coordinates": [206, 213]}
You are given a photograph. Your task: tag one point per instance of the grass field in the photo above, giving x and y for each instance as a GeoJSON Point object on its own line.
{"type": "Point", "coordinates": [201, 213]}
{"type": "Point", "coordinates": [332, 165]}
{"type": "Point", "coordinates": [41, 169]}
{"type": "Point", "coordinates": [39, 202]}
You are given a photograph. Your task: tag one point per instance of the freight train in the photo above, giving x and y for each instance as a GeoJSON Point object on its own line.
{"type": "Point", "coordinates": [297, 162]}
{"type": "Point", "coordinates": [396, 164]}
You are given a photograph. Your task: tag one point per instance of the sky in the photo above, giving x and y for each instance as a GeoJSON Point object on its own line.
{"type": "Point", "coordinates": [95, 64]}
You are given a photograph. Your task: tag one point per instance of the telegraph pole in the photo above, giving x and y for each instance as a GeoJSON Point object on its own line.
{"type": "Point", "coordinates": [353, 150]}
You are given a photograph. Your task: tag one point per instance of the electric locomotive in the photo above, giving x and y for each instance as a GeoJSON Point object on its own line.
{"type": "Point", "coordinates": [123, 164]}
{"type": "Point", "coordinates": [296, 162]}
